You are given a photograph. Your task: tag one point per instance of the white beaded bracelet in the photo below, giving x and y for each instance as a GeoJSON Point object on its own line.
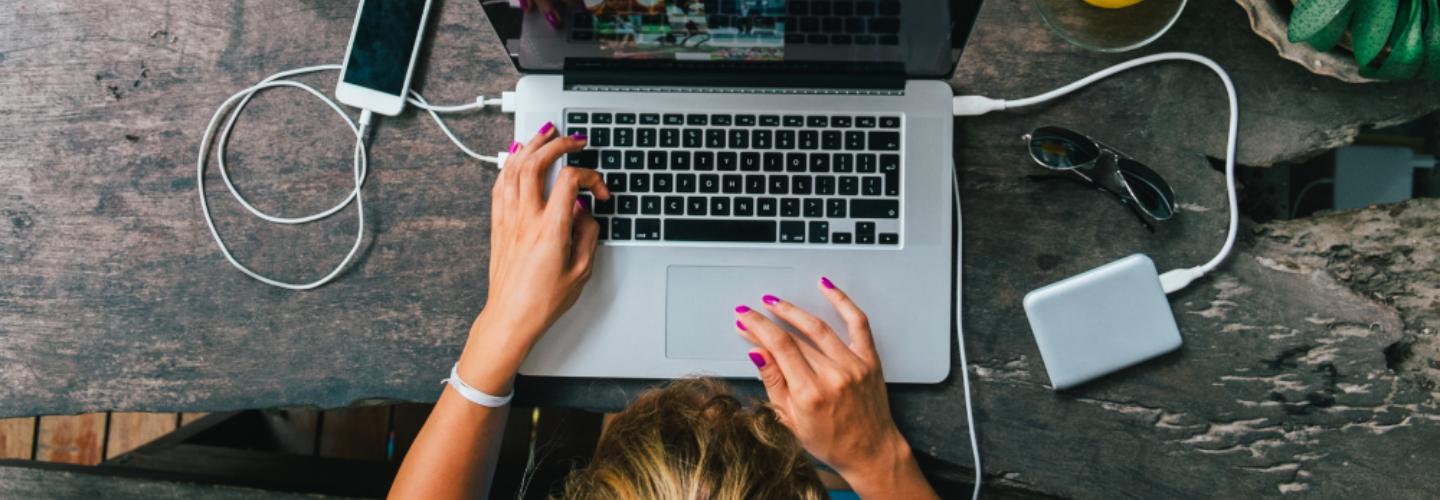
{"type": "Point", "coordinates": [474, 395]}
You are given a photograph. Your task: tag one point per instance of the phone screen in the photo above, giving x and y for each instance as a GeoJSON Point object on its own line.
{"type": "Point", "coordinates": [383, 43]}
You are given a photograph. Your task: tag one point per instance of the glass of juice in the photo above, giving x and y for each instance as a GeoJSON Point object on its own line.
{"type": "Point", "coordinates": [1110, 25]}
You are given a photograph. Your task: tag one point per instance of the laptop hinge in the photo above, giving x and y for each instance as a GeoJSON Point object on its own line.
{"type": "Point", "coordinates": [678, 76]}
{"type": "Point", "coordinates": [665, 89]}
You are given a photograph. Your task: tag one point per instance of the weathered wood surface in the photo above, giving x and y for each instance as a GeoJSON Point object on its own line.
{"type": "Point", "coordinates": [20, 480]}
{"type": "Point", "coordinates": [1295, 377]}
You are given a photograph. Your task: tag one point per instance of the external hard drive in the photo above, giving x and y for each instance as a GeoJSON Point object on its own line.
{"type": "Point", "coordinates": [1102, 320]}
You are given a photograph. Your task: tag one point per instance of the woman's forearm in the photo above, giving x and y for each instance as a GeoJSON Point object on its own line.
{"type": "Point", "coordinates": [895, 474]}
{"type": "Point", "coordinates": [454, 455]}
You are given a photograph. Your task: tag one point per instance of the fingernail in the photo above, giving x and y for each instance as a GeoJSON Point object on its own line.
{"type": "Point", "coordinates": [741, 326]}
{"type": "Point", "coordinates": [581, 202]}
{"type": "Point", "coordinates": [578, 136]}
{"type": "Point", "coordinates": [770, 300]}
{"type": "Point", "coordinates": [547, 128]}
{"type": "Point", "coordinates": [514, 145]}
{"type": "Point", "coordinates": [825, 282]}
{"type": "Point", "coordinates": [551, 18]}
{"type": "Point", "coordinates": [742, 309]}
{"type": "Point", "coordinates": [524, 5]}
{"type": "Point", "coordinates": [759, 360]}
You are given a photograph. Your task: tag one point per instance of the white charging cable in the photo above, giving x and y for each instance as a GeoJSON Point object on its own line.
{"type": "Point", "coordinates": [960, 335]}
{"type": "Point", "coordinates": [230, 110]}
{"type": "Point", "coordinates": [1175, 279]}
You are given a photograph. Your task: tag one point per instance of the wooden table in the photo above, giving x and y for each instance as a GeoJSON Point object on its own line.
{"type": "Point", "coordinates": [1307, 365]}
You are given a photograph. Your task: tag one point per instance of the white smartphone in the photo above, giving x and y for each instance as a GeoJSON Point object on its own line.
{"type": "Point", "coordinates": [383, 47]}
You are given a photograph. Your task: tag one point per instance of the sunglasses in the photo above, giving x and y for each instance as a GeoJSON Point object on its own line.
{"type": "Point", "coordinates": [1132, 183]}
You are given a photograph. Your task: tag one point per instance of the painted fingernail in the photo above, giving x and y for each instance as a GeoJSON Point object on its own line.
{"type": "Point", "coordinates": [742, 309]}
{"type": "Point", "coordinates": [551, 18]}
{"type": "Point", "coordinates": [578, 136]}
{"type": "Point", "coordinates": [514, 145]}
{"type": "Point", "coordinates": [582, 202]}
{"type": "Point", "coordinates": [547, 128]}
{"type": "Point", "coordinates": [741, 326]}
{"type": "Point", "coordinates": [770, 299]}
{"type": "Point", "coordinates": [759, 360]}
{"type": "Point", "coordinates": [524, 5]}
{"type": "Point", "coordinates": [825, 282]}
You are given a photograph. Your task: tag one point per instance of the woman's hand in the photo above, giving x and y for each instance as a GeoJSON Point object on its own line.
{"type": "Point", "coordinates": [832, 395]}
{"type": "Point", "coordinates": [541, 254]}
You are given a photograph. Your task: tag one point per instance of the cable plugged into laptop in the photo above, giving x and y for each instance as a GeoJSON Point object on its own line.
{"type": "Point", "coordinates": [1177, 279]}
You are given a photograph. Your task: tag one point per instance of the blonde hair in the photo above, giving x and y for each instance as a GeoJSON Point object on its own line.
{"type": "Point", "coordinates": [693, 439]}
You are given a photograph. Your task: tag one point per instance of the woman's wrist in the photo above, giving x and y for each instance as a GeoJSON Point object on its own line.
{"type": "Point", "coordinates": [494, 351]}
{"type": "Point", "coordinates": [889, 471]}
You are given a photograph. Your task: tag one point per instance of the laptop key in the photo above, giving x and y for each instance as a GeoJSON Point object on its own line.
{"type": "Point", "coordinates": [819, 162]}
{"type": "Point", "coordinates": [755, 184]}
{"type": "Point", "coordinates": [604, 224]}
{"type": "Point", "coordinates": [684, 183]}
{"type": "Point", "coordinates": [814, 208]}
{"type": "Point", "coordinates": [840, 122]}
{"type": "Point", "coordinates": [744, 206]}
{"type": "Point", "coordinates": [721, 230]}
{"type": "Point", "coordinates": [779, 184]}
{"type": "Point", "coordinates": [679, 160]}
{"type": "Point", "coordinates": [674, 205]}
{"type": "Point", "coordinates": [889, 239]}
{"type": "Point", "coordinates": [830, 140]}
{"type": "Point", "coordinates": [865, 164]}
{"type": "Point", "coordinates": [624, 137]}
{"type": "Point", "coordinates": [726, 161]}
{"type": "Point", "coordinates": [774, 162]}
{"type": "Point", "coordinates": [634, 160]}
{"type": "Point", "coordinates": [674, 119]}
{"type": "Point", "coordinates": [620, 229]}
{"type": "Point", "coordinates": [646, 137]}
{"type": "Point", "coordinates": [732, 184]}
{"type": "Point", "coordinates": [720, 120]}
{"type": "Point", "coordinates": [792, 121]}
{"type": "Point", "coordinates": [889, 122]}
{"type": "Point", "coordinates": [760, 139]}
{"type": "Point", "coordinates": [745, 120]}
{"type": "Point", "coordinates": [650, 205]}
{"type": "Point", "coordinates": [766, 207]}
{"type": "Point", "coordinates": [669, 138]}
{"type": "Point", "coordinates": [884, 141]}
{"type": "Point", "coordinates": [792, 231]}
{"type": "Point", "coordinates": [715, 138]}
{"type": "Point", "coordinates": [890, 167]}
{"type": "Point", "coordinates": [800, 184]}
{"type": "Point", "coordinates": [656, 160]}
{"type": "Point", "coordinates": [663, 183]}
{"type": "Point", "coordinates": [769, 120]}
{"type": "Point", "coordinates": [849, 185]}
{"type": "Point", "coordinates": [704, 160]}
{"type": "Point", "coordinates": [649, 119]}
{"type": "Point", "coordinates": [840, 238]}
{"type": "Point", "coordinates": [575, 117]}
{"type": "Point", "coordinates": [854, 140]}
{"type": "Point", "coordinates": [584, 159]}
{"type": "Point", "coordinates": [843, 163]}
{"type": "Point", "coordinates": [628, 205]}
{"type": "Point", "coordinates": [604, 207]}
{"type": "Point", "coordinates": [599, 137]}
{"type": "Point", "coordinates": [819, 231]}
{"type": "Point", "coordinates": [601, 118]}
{"type": "Point", "coordinates": [825, 185]}
{"type": "Point", "coordinates": [817, 121]}
{"type": "Point", "coordinates": [865, 233]}
{"type": "Point", "coordinates": [647, 229]}
{"type": "Point", "coordinates": [694, 137]}
{"type": "Point", "coordinates": [625, 118]}
{"type": "Point", "coordinates": [784, 139]}
{"type": "Point", "coordinates": [719, 206]}
{"type": "Point", "coordinates": [809, 139]}
{"type": "Point", "coordinates": [795, 162]}
{"type": "Point", "coordinates": [865, 122]}
{"type": "Point", "coordinates": [695, 119]}
{"type": "Point", "coordinates": [835, 209]}
{"type": "Point", "coordinates": [789, 207]}
{"type": "Point", "coordinates": [861, 208]}
{"type": "Point", "coordinates": [616, 182]}
{"type": "Point", "coordinates": [710, 183]}
{"type": "Point", "coordinates": [695, 205]}
{"type": "Point", "coordinates": [750, 162]}
{"type": "Point", "coordinates": [739, 138]}
{"type": "Point", "coordinates": [870, 186]}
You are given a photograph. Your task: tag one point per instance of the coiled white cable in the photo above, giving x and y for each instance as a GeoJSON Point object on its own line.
{"type": "Point", "coordinates": [230, 110]}
{"type": "Point", "coordinates": [1175, 279]}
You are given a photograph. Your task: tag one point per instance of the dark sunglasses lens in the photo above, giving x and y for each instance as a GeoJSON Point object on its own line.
{"type": "Point", "coordinates": [1059, 148]}
{"type": "Point", "coordinates": [1151, 192]}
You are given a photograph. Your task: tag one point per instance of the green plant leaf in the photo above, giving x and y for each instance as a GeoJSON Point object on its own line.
{"type": "Point", "coordinates": [1371, 28]}
{"type": "Point", "coordinates": [1432, 43]}
{"type": "Point", "coordinates": [1326, 39]}
{"type": "Point", "coordinates": [1313, 18]}
{"type": "Point", "coordinates": [1406, 48]}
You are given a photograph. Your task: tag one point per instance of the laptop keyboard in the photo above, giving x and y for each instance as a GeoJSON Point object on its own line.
{"type": "Point", "coordinates": [805, 22]}
{"type": "Point", "coordinates": [753, 179]}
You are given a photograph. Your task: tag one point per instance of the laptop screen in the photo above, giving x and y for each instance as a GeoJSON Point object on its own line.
{"type": "Point", "coordinates": [892, 38]}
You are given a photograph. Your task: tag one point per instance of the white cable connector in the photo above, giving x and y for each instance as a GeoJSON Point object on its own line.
{"type": "Point", "coordinates": [230, 111]}
{"type": "Point", "coordinates": [1177, 279]}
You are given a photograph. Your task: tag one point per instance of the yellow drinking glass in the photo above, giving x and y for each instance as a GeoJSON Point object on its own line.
{"type": "Point", "coordinates": [1110, 25]}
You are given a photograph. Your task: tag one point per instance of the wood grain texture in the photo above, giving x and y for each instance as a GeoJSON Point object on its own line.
{"type": "Point", "coordinates": [187, 417]}
{"type": "Point", "coordinates": [358, 432]}
{"type": "Point", "coordinates": [129, 430]}
{"type": "Point", "coordinates": [112, 295]}
{"type": "Point", "coordinates": [17, 438]}
{"type": "Point", "coordinates": [71, 439]}
{"type": "Point", "coordinates": [18, 481]}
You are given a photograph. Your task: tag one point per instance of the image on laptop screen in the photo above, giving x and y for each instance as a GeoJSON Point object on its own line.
{"type": "Point", "coordinates": [730, 30]}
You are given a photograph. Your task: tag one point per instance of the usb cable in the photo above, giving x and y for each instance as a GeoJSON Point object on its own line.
{"type": "Point", "coordinates": [230, 112]}
{"type": "Point", "coordinates": [1175, 279]}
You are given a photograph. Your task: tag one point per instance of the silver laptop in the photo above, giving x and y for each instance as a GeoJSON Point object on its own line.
{"type": "Point", "coordinates": [752, 147]}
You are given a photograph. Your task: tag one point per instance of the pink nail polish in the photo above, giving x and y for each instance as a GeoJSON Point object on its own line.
{"type": "Point", "coordinates": [759, 360]}
{"type": "Point", "coordinates": [551, 18]}
{"type": "Point", "coordinates": [825, 282]}
{"type": "Point", "coordinates": [770, 299]}
{"type": "Point", "coordinates": [578, 136]}
{"type": "Point", "coordinates": [581, 202]}
{"type": "Point", "coordinates": [524, 5]}
{"type": "Point", "coordinates": [741, 326]}
{"type": "Point", "coordinates": [742, 309]}
{"type": "Point", "coordinates": [514, 145]}
{"type": "Point", "coordinates": [547, 128]}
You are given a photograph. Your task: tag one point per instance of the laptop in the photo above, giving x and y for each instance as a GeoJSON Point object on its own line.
{"type": "Point", "coordinates": [752, 147]}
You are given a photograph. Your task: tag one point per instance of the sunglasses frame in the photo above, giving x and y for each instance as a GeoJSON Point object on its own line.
{"type": "Point", "coordinates": [1115, 175]}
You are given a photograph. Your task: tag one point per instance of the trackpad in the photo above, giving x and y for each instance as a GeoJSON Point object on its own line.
{"type": "Point", "coordinates": [700, 307]}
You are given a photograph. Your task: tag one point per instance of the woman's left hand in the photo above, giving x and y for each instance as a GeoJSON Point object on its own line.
{"type": "Point", "coordinates": [541, 254]}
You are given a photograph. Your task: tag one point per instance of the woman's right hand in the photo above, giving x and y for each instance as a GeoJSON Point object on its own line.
{"type": "Point", "coordinates": [832, 395]}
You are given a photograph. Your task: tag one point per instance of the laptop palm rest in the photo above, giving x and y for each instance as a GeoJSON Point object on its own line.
{"type": "Point", "coordinates": [700, 307]}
